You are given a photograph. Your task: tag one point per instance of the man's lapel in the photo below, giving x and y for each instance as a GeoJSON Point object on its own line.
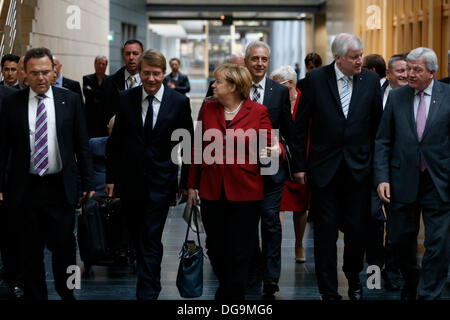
{"type": "Point", "coordinates": [435, 104]}
{"type": "Point", "coordinates": [357, 83]}
{"type": "Point", "coordinates": [163, 108]}
{"type": "Point", "coordinates": [268, 93]}
{"type": "Point", "coordinates": [409, 100]}
{"type": "Point", "coordinates": [60, 107]}
{"type": "Point", "coordinates": [332, 83]}
{"type": "Point", "coordinates": [23, 114]}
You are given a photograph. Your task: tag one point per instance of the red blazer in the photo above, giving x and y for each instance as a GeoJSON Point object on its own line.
{"type": "Point", "coordinates": [241, 182]}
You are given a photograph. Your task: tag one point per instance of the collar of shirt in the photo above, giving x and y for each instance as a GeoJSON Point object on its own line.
{"type": "Point", "coordinates": [48, 94]}
{"type": "Point", "coordinates": [262, 83]}
{"type": "Point", "coordinates": [158, 96]}
{"type": "Point", "coordinates": [59, 81]}
{"type": "Point", "coordinates": [428, 90]}
{"type": "Point", "coordinates": [136, 77]}
{"type": "Point", "coordinates": [339, 73]}
{"type": "Point", "coordinates": [17, 82]}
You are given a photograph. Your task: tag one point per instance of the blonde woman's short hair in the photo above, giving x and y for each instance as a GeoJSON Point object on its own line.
{"type": "Point", "coordinates": [237, 75]}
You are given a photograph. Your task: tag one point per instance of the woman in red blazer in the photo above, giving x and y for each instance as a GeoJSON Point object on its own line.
{"type": "Point", "coordinates": [228, 179]}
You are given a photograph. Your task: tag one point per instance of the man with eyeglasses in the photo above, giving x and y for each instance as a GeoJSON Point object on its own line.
{"type": "Point", "coordinates": [43, 132]}
{"type": "Point", "coordinates": [140, 162]}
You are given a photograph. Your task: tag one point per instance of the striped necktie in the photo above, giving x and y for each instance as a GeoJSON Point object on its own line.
{"type": "Point", "coordinates": [256, 94]}
{"type": "Point", "coordinates": [40, 157]}
{"type": "Point", "coordinates": [345, 95]}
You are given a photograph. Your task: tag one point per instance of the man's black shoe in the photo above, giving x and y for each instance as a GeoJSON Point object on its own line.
{"type": "Point", "coordinates": [390, 283]}
{"type": "Point", "coordinates": [16, 292]}
{"type": "Point", "coordinates": [270, 288]}
{"type": "Point", "coordinates": [355, 291]}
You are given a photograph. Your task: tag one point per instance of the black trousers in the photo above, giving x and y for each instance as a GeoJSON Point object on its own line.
{"type": "Point", "coordinates": [146, 223]}
{"type": "Point", "coordinates": [11, 245]}
{"type": "Point", "coordinates": [344, 204]}
{"type": "Point", "coordinates": [268, 260]}
{"type": "Point", "coordinates": [48, 221]}
{"type": "Point", "coordinates": [231, 231]}
{"type": "Point", "coordinates": [404, 223]}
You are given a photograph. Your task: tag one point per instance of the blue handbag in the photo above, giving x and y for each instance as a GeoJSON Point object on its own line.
{"type": "Point", "coordinates": [190, 269]}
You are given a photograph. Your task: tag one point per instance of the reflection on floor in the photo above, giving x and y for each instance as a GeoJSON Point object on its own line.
{"type": "Point", "coordinates": [297, 281]}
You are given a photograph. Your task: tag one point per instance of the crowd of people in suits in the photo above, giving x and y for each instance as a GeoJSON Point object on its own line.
{"type": "Point", "coordinates": [362, 148]}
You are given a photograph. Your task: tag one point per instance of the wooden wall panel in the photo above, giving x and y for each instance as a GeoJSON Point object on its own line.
{"type": "Point", "coordinates": [405, 25]}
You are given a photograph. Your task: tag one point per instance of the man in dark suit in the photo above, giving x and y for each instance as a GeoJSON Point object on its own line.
{"type": "Point", "coordinates": [447, 80]}
{"type": "Point", "coordinates": [10, 237]}
{"type": "Point", "coordinates": [63, 82]}
{"type": "Point", "coordinates": [44, 131]}
{"type": "Point", "coordinates": [176, 80]}
{"type": "Point", "coordinates": [9, 70]}
{"type": "Point", "coordinates": [139, 160]}
{"type": "Point", "coordinates": [275, 97]}
{"type": "Point", "coordinates": [93, 94]}
{"type": "Point", "coordinates": [125, 78]}
{"type": "Point", "coordinates": [343, 102]}
{"type": "Point", "coordinates": [312, 61]}
{"type": "Point", "coordinates": [412, 152]}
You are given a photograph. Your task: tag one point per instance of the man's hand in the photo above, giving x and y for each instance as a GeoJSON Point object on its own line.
{"type": "Point", "coordinates": [1, 196]}
{"type": "Point", "coordinates": [182, 195]}
{"type": "Point", "coordinates": [91, 193]}
{"type": "Point", "coordinates": [384, 192]}
{"type": "Point", "coordinates": [300, 177]}
{"type": "Point", "coordinates": [109, 189]}
{"type": "Point", "coordinates": [192, 197]}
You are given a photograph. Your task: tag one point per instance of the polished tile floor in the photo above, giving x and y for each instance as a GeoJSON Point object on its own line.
{"type": "Point", "coordinates": [297, 281]}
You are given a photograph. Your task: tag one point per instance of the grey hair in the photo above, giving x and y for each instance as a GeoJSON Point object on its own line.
{"type": "Point", "coordinates": [254, 44]}
{"type": "Point", "coordinates": [345, 41]}
{"type": "Point", "coordinates": [101, 57]}
{"type": "Point", "coordinates": [285, 73]}
{"type": "Point", "coordinates": [427, 54]}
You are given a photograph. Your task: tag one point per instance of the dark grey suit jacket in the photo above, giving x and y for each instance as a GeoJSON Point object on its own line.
{"type": "Point", "coordinates": [397, 147]}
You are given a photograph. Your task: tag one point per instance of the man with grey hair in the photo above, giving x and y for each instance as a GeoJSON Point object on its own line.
{"type": "Point", "coordinates": [96, 117]}
{"type": "Point", "coordinates": [275, 97]}
{"type": "Point", "coordinates": [447, 80]}
{"type": "Point", "coordinates": [412, 152]}
{"type": "Point", "coordinates": [343, 102]}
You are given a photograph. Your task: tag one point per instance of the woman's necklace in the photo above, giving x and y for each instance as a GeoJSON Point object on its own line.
{"type": "Point", "coordinates": [235, 110]}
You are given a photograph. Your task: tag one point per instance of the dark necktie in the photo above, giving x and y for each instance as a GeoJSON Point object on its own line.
{"type": "Point", "coordinates": [40, 157]}
{"type": "Point", "coordinates": [148, 123]}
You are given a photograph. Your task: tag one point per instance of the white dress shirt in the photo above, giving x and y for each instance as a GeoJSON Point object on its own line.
{"type": "Point", "coordinates": [128, 81]}
{"type": "Point", "coordinates": [427, 96]}
{"type": "Point", "coordinates": [54, 157]}
{"type": "Point", "coordinates": [156, 104]}
{"type": "Point", "coordinates": [386, 94]}
{"type": "Point", "coordinates": [261, 90]}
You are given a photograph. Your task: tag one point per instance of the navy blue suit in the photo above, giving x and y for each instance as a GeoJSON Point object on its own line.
{"type": "Point", "coordinates": [139, 160]}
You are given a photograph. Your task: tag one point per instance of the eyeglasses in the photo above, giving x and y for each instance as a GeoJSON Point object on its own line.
{"type": "Point", "coordinates": [37, 73]}
{"type": "Point", "coordinates": [155, 74]}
